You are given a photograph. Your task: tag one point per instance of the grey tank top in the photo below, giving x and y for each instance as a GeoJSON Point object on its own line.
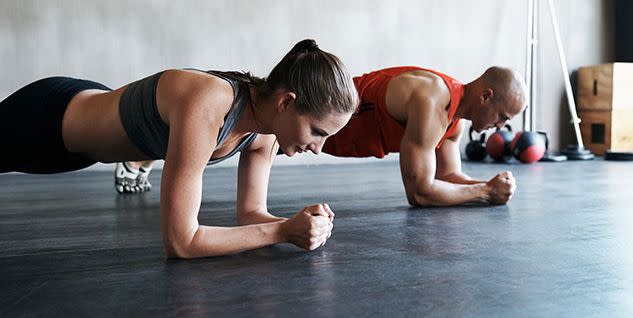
{"type": "Point", "coordinates": [149, 133]}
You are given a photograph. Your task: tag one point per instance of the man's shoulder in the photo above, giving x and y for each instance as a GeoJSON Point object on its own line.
{"type": "Point", "coordinates": [418, 92]}
{"type": "Point", "coordinates": [429, 97]}
{"type": "Point", "coordinates": [421, 84]}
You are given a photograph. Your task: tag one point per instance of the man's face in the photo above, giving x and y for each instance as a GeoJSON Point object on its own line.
{"type": "Point", "coordinates": [496, 112]}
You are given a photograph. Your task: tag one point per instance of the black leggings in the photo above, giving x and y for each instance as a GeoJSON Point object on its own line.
{"type": "Point", "coordinates": [31, 127]}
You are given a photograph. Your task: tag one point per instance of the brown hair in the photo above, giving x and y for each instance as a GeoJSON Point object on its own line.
{"type": "Point", "coordinates": [318, 78]}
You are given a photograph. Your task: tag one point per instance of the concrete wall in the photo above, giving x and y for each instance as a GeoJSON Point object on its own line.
{"type": "Point", "coordinates": [115, 42]}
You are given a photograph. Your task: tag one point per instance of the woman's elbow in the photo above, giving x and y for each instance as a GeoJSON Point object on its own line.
{"type": "Point", "coordinates": [174, 251]}
{"type": "Point", "coordinates": [177, 247]}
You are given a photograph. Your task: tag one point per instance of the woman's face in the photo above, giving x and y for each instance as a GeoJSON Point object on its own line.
{"type": "Point", "coordinates": [304, 132]}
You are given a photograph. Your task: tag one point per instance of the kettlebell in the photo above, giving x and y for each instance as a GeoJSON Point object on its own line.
{"type": "Point", "coordinates": [498, 144]}
{"type": "Point", "coordinates": [476, 149]}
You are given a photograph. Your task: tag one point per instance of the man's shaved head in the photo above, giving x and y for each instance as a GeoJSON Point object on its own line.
{"type": "Point", "coordinates": [509, 87]}
{"type": "Point", "coordinates": [494, 98]}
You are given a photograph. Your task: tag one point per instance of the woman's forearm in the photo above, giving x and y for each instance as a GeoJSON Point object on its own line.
{"type": "Point", "coordinates": [257, 218]}
{"type": "Point", "coordinates": [214, 241]}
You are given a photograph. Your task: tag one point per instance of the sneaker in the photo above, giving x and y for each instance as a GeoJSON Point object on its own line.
{"type": "Point", "coordinates": [142, 179]}
{"type": "Point", "coordinates": [125, 178]}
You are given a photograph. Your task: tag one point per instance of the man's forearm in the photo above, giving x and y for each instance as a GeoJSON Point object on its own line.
{"type": "Point", "coordinates": [460, 178]}
{"type": "Point", "coordinates": [442, 193]}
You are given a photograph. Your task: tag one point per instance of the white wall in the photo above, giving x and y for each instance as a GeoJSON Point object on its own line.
{"type": "Point", "coordinates": [115, 42]}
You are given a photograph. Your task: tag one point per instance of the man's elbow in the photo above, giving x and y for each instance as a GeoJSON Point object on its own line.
{"type": "Point", "coordinates": [413, 202]}
{"type": "Point", "coordinates": [421, 201]}
{"type": "Point", "coordinates": [420, 198]}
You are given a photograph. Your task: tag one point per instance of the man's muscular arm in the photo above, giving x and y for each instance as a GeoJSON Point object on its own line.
{"type": "Point", "coordinates": [426, 183]}
{"type": "Point", "coordinates": [449, 163]}
{"type": "Point", "coordinates": [449, 169]}
{"type": "Point", "coordinates": [418, 161]}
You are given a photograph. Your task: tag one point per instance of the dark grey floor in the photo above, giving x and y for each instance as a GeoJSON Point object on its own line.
{"type": "Point", "coordinates": [70, 246]}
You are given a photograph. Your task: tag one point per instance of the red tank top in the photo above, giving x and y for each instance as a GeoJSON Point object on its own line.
{"type": "Point", "coordinates": [372, 131]}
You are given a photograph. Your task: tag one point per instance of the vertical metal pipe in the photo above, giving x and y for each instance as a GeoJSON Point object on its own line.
{"type": "Point", "coordinates": [531, 66]}
{"type": "Point", "coordinates": [534, 66]}
{"type": "Point", "coordinates": [563, 63]}
{"type": "Point", "coordinates": [528, 64]}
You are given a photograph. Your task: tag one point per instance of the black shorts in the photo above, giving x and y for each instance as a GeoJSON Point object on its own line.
{"type": "Point", "coordinates": [31, 127]}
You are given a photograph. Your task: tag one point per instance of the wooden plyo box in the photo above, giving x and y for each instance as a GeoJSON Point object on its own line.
{"type": "Point", "coordinates": [605, 103]}
{"type": "Point", "coordinates": [607, 130]}
{"type": "Point", "coordinates": [606, 87]}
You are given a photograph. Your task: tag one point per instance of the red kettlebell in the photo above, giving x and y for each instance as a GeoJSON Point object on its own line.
{"type": "Point", "coordinates": [498, 144]}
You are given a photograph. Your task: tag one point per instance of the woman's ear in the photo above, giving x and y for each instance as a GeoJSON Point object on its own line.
{"type": "Point", "coordinates": [285, 101]}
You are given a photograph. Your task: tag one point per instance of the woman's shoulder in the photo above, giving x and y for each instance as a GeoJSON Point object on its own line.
{"type": "Point", "coordinates": [191, 88]}
{"type": "Point", "coordinates": [193, 81]}
{"type": "Point", "coordinates": [263, 141]}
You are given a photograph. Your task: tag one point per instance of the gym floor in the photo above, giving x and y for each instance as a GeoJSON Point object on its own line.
{"type": "Point", "coordinates": [70, 246]}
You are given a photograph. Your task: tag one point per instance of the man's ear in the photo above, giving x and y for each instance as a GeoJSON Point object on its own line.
{"type": "Point", "coordinates": [487, 95]}
{"type": "Point", "coordinates": [287, 99]}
